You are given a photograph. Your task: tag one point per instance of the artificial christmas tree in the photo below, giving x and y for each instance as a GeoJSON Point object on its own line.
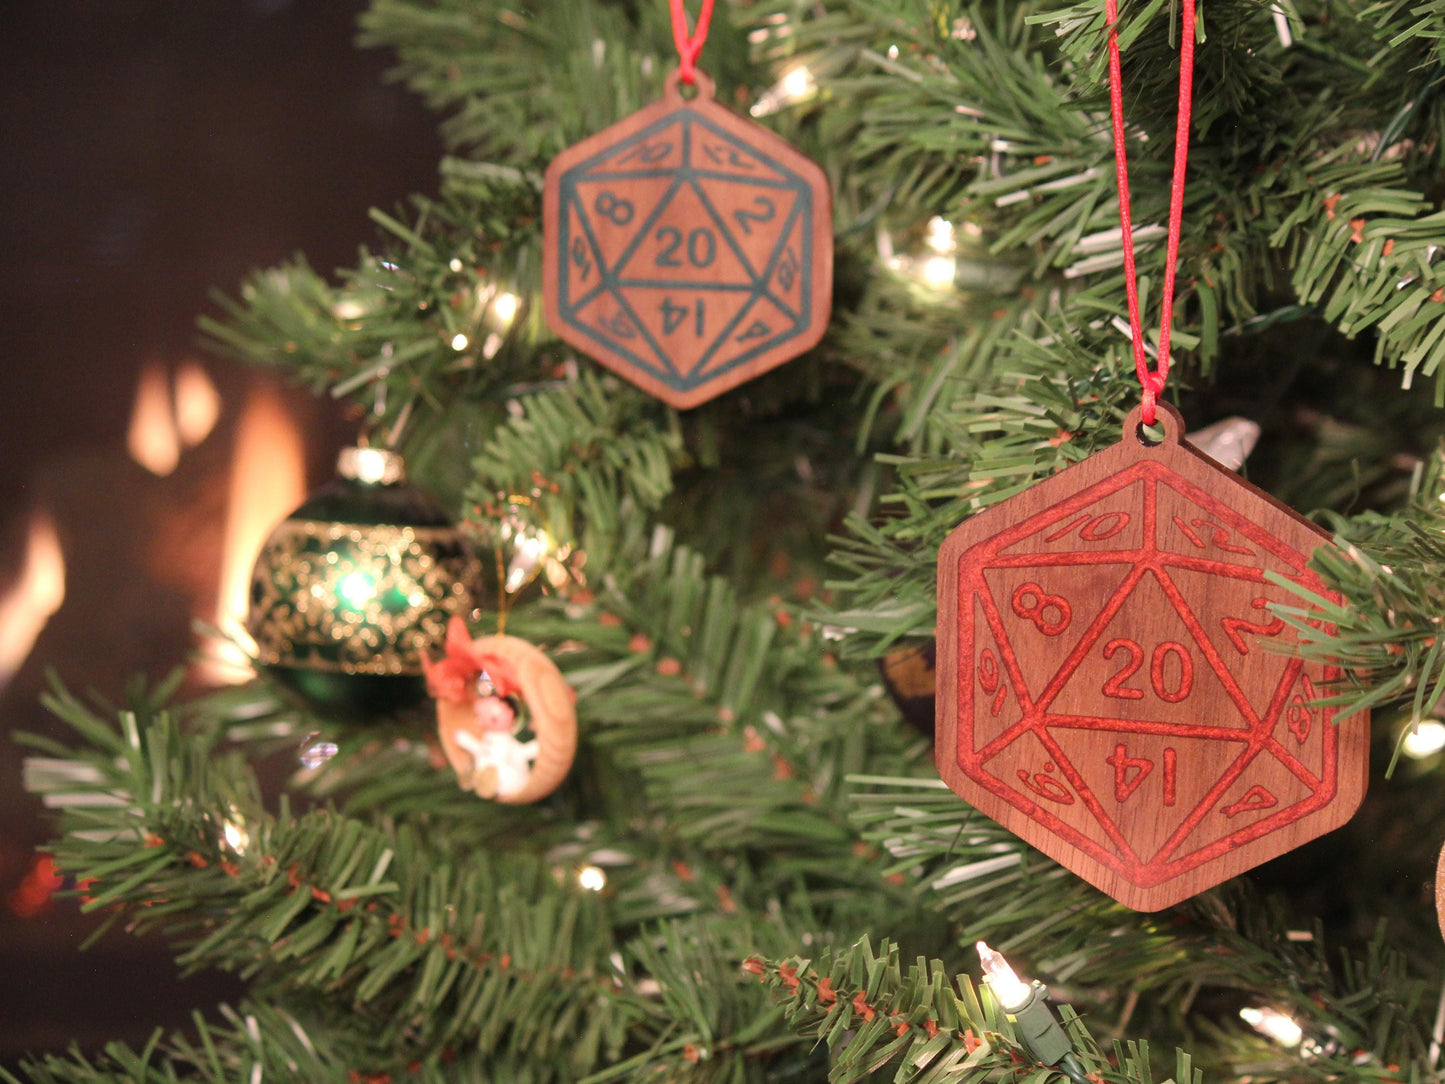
{"type": "Point", "coordinates": [746, 804]}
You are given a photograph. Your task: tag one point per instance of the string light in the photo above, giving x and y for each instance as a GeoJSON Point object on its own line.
{"type": "Point", "coordinates": [937, 267]}
{"type": "Point", "coordinates": [505, 306]}
{"type": "Point", "coordinates": [592, 878]}
{"type": "Point", "coordinates": [1425, 739]}
{"type": "Point", "coordinates": [358, 589]}
{"type": "Point", "coordinates": [941, 236]}
{"type": "Point", "coordinates": [1274, 1024]}
{"type": "Point", "coordinates": [460, 341]}
{"type": "Point", "coordinates": [371, 465]}
{"type": "Point", "coordinates": [795, 85]}
{"type": "Point", "coordinates": [236, 836]}
{"type": "Point", "coordinates": [1012, 992]}
{"type": "Point", "coordinates": [529, 550]}
{"type": "Point", "coordinates": [1027, 1005]}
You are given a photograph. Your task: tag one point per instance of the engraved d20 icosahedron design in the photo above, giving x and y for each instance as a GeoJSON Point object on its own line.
{"type": "Point", "coordinates": [1111, 688]}
{"type": "Point", "coordinates": [687, 248]}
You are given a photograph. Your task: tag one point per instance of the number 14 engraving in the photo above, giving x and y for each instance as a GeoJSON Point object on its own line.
{"type": "Point", "coordinates": [1130, 772]}
{"type": "Point", "coordinates": [673, 316]}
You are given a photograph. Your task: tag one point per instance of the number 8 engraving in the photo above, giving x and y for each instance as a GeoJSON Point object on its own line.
{"type": "Point", "coordinates": [620, 211]}
{"type": "Point", "coordinates": [1037, 609]}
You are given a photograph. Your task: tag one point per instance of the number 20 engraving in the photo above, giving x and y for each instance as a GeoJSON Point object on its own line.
{"type": "Point", "coordinates": [701, 247]}
{"type": "Point", "coordinates": [1115, 686]}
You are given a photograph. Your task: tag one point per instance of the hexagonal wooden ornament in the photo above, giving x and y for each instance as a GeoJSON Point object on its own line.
{"type": "Point", "coordinates": [687, 248]}
{"type": "Point", "coordinates": [1110, 686]}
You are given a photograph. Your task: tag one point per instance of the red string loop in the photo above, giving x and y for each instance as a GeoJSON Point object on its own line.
{"type": "Point", "coordinates": [689, 45]}
{"type": "Point", "coordinates": [1152, 381]}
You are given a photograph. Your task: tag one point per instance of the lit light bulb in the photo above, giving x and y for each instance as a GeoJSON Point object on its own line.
{"type": "Point", "coordinates": [1012, 992]}
{"type": "Point", "coordinates": [1273, 1023]}
{"type": "Point", "coordinates": [940, 236]}
{"type": "Point", "coordinates": [592, 878]}
{"type": "Point", "coordinates": [460, 341]}
{"type": "Point", "coordinates": [236, 836]}
{"type": "Point", "coordinates": [939, 271]}
{"type": "Point", "coordinates": [370, 465]}
{"type": "Point", "coordinates": [357, 589]}
{"type": "Point", "coordinates": [529, 550]}
{"type": "Point", "coordinates": [1426, 739]}
{"type": "Point", "coordinates": [795, 85]}
{"type": "Point", "coordinates": [505, 306]}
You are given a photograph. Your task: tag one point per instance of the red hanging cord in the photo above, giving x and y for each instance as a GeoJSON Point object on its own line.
{"type": "Point", "coordinates": [689, 46]}
{"type": "Point", "coordinates": [1152, 381]}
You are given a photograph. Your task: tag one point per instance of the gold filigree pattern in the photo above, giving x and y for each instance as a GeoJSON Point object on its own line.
{"type": "Point", "coordinates": [356, 598]}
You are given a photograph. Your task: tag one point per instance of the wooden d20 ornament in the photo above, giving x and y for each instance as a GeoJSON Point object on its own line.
{"type": "Point", "coordinates": [687, 248]}
{"type": "Point", "coordinates": [1105, 689]}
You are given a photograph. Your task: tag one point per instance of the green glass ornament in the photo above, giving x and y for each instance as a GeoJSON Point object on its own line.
{"type": "Point", "coordinates": [354, 587]}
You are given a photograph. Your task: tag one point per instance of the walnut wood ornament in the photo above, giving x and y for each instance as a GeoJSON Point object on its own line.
{"type": "Point", "coordinates": [687, 248]}
{"type": "Point", "coordinates": [1110, 682]}
{"type": "Point", "coordinates": [1440, 892]}
{"type": "Point", "coordinates": [471, 685]}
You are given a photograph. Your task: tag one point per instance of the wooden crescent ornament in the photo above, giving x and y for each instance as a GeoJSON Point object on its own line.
{"type": "Point", "coordinates": [517, 668]}
{"type": "Point", "coordinates": [687, 248]}
{"type": "Point", "coordinates": [1110, 681]}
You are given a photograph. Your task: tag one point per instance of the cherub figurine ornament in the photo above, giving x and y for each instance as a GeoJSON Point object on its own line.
{"type": "Point", "coordinates": [473, 685]}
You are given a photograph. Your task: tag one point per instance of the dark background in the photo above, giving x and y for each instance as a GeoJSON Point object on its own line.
{"type": "Point", "coordinates": [150, 151]}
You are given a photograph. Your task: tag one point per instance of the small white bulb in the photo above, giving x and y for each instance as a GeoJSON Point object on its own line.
{"type": "Point", "coordinates": [460, 341]}
{"type": "Point", "coordinates": [1011, 991]}
{"type": "Point", "coordinates": [371, 465]}
{"type": "Point", "coordinates": [357, 589]}
{"type": "Point", "coordinates": [797, 84]}
{"type": "Point", "coordinates": [592, 878]}
{"type": "Point", "coordinates": [1273, 1023]}
{"type": "Point", "coordinates": [1426, 739]}
{"type": "Point", "coordinates": [940, 236]}
{"type": "Point", "coordinates": [505, 306]}
{"type": "Point", "coordinates": [939, 271]}
{"type": "Point", "coordinates": [236, 836]}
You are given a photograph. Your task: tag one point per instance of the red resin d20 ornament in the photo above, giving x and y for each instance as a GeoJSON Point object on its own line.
{"type": "Point", "coordinates": [687, 248]}
{"type": "Point", "coordinates": [1105, 689]}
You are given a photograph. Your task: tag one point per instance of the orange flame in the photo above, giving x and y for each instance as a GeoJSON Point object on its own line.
{"type": "Point", "coordinates": [38, 592]}
{"type": "Point", "coordinates": [198, 404]}
{"type": "Point", "coordinates": [152, 440]}
{"type": "Point", "coordinates": [267, 482]}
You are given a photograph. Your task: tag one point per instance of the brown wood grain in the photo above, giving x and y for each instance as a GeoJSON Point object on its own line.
{"type": "Point", "coordinates": [687, 248]}
{"type": "Point", "coordinates": [1440, 892]}
{"type": "Point", "coordinates": [1110, 684]}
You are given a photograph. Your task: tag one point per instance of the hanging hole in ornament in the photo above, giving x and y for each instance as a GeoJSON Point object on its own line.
{"type": "Point", "coordinates": [701, 87]}
{"type": "Point", "coordinates": [1151, 436]}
